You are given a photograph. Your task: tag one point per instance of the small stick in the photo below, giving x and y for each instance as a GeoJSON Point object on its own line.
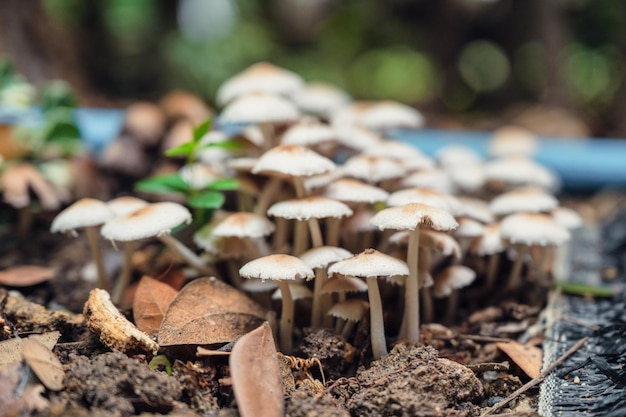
{"type": "Point", "coordinates": [489, 366]}
{"type": "Point", "coordinates": [538, 379]}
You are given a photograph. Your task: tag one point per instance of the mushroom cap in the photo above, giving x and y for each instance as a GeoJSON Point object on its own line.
{"type": "Point", "coordinates": [293, 160]}
{"type": "Point", "coordinates": [457, 155]}
{"type": "Point", "coordinates": [430, 239]}
{"type": "Point", "coordinates": [359, 222]}
{"type": "Point", "coordinates": [351, 310]}
{"type": "Point", "coordinates": [533, 229]}
{"type": "Point", "coordinates": [354, 191]}
{"type": "Point", "coordinates": [518, 170]}
{"type": "Point", "coordinates": [356, 137]}
{"type": "Point", "coordinates": [343, 284]}
{"type": "Point", "coordinates": [433, 179]}
{"type": "Point", "coordinates": [257, 285]}
{"type": "Point", "coordinates": [410, 216]}
{"type": "Point", "coordinates": [567, 217]}
{"type": "Point", "coordinates": [318, 181]}
{"type": "Point", "coordinates": [85, 212]}
{"type": "Point", "coordinates": [399, 151]}
{"type": "Point", "coordinates": [308, 132]}
{"type": "Point", "coordinates": [259, 108]}
{"type": "Point", "coordinates": [121, 206]}
{"type": "Point", "coordinates": [277, 267]}
{"type": "Point", "coordinates": [372, 168]}
{"type": "Point", "coordinates": [320, 99]}
{"type": "Point", "coordinates": [468, 228]}
{"type": "Point", "coordinates": [260, 77]}
{"type": "Point", "coordinates": [369, 263]}
{"type": "Point", "coordinates": [527, 199]}
{"type": "Point", "coordinates": [432, 198]}
{"type": "Point", "coordinates": [468, 178]}
{"type": "Point", "coordinates": [244, 224]}
{"type": "Point", "coordinates": [198, 175]}
{"type": "Point", "coordinates": [179, 104]}
{"type": "Point", "coordinates": [388, 115]}
{"type": "Point", "coordinates": [146, 122]}
{"type": "Point", "coordinates": [155, 219]}
{"type": "Point", "coordinates": [476, 209]}
{"type": "Point", "coordinates": [242, 164]}
{"type": "Point", "coordinates": [512, 141]}
{"type": "Point", "coordinates": [489, 243]}
{"type": "Point", "coordinates": [322, 256]}
{"type": "Point", "coordinates": [451, 278]}
{"type": "Point", "coordinates": [309, 207]}
{"type": "Point", "coordinates": [19, 179]}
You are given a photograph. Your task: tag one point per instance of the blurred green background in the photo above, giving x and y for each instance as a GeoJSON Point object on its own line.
{"type": "Point", "coordinates": [453, 59]}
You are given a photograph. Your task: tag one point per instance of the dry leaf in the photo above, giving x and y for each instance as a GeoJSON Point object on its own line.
{"type": "Point", "coordinates": [527, 357]}
{"type": "Point", "coordinates": [25, 275]}
{"type": "Point", "coordinates": [207, 311]}
{"type": "Point", "coordinates": [10, 350]}
{"type": "Point", "coordinates": [256, 375]}
{"type": "Point", "coordinates": [44, 364]}
{"type": "Point", "coordinates": [19, 401]}
{"type": "Point", "coordinates": [152, 298]}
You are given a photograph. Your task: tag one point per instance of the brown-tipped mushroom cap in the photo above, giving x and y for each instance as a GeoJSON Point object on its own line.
{"type": "Point", "coordinates": [260, 77]}
{"type": "Point", "coordinates": [126, 204]}
{"type": "Point", "coordinates": [457, 155]}
{"type": "Point", "coordinates": [344, 284]}
{"type": "Point", "coordinates": [369, 263]}
{"type": "Point", "coordinates": [372, 169]}
{"type": "Point", "coordinates": [512, 141]}
{"type": "Point", "coordinates": [436, 199]}
{"type": "Point", "coordinates": [308, 132]}
{"type": "Point", "coordinates": [388, 115]}
{"type": "Point", "coordinates": [19, 179]}
{"type": "Point", "coordinates": [351, 310]}
{"type": "Point", "coordinates": [410, 216]}
{"type": "Point", "coordinates": [489, 243]}
{"type": "Point", "coordinates": [298, 292]}
{"type": "Point", "coordinates": [400, 151]}
{"type": "Point", "coordinates": [320, 99]}
{"type": "Point", "coordinates": [322, 256]}
{"type": "Point", "coordinates": [433, 179]}
{"type": "Point", "coordinates": [155, 219]}
{"type": "Point", "coordinates": [83, 213]}
{"type": "Point", "coordinates": [179, 104]}
{"type": "Point", "coordinates": [532, 229]}
{"type": "Point", "coordinates": [476, 209]}
{"type": "Point", "coordinates": [567, 217]}
{"type": "Point", "coordinates": [244, 224]}
{"type": "Point", "coordinates": [277, 267]}
{"type": "Point", "coordinates": [146, 122]}
{"type": "Point", "coordinates": [354, 191]}
{"type": "Point", "coordinates": [468, 228]}
{"type": "Point", "coordinates": [259, 108]}
{"type": "Point", "coordinates": [520, 171]}
{"type": "Point", "coordinates": [309, 207]}
{"type": "Point", "coordinates": [293, 160]}
{"type": "Point", "coordinates": [357, 138]}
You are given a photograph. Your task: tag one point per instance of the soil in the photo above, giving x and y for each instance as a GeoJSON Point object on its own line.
{"type": "Point", "coordinates": [451, 374]}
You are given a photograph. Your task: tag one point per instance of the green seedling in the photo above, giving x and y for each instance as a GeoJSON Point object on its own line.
{"type": "Point", "coordinates": [587, 290]}
{"type": "Point", "coordinates": [159, 363]}
{"type": "Point", "coordinates": [204, 200]}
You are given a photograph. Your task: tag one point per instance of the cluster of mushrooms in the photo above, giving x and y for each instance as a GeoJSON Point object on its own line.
{"type": "Point", "coordinates": [331, 208]}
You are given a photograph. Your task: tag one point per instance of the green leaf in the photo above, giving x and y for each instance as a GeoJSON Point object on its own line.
{"type": "Point", "coordinates": [163, 184]}
{"type": "Point", "coordinates": [207, 200]}
{"type": "Point", "coordinates": [224, 184]}
{"type": "Point", "coordinates": [161, 362]}
{"type": "Point", "coordinates": [201, 130]}
{"type": "Point", "coordinates": [185, 149]}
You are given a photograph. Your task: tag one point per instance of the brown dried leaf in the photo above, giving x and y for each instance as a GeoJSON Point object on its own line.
{"type": "Point", "coordinates": [152, 298]}
{"type": "Point", "coordinates": [256, 375]}
{"type": "Point", "coordinates": [25, 275]}
{"type": "Point", "coordinates": [527, 357]}
{"type": "Point", "coordinates": [10, 350]}
{"type": "Point", "coordinates": [207, 311]}
{"type": "Point", "coordinates": [15, 401]}
{"type": "Point", "coordinates": [44, 364]}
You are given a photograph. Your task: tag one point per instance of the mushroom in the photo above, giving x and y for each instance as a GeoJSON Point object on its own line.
{"type": "Point", "coordinates": [250, 228]}
{"type": "Point", "coordinates": [523, 230]}
{"type": "Point", "coordinates": [409, 217]}
{"type": "Point", "coordinates": [371, 264]}
{"type": "Point", "coordinates": [320, 99]}
{"type": "Point", "coordinates": [282, 268]}
{"type": "Point", "coordinates": [155, 220]}
{"type": "Point", "coordinates": [348, 314]}
{"type": "Point", "coordinates": [448, 281]}
{"type": "Point", "coordinates": [318, 259]}
{"type": "Point", "coordinates": [527, 199]}
{"type": "Point", "coordinates": [121, 206]}
{"type": "Point", "coordinates": [88, 214]}
{"type": "Point", "coordinates": [489, 244]}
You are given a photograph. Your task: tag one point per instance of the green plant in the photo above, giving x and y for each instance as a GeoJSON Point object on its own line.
{"type": "Point", "coordinates": [202, 200]}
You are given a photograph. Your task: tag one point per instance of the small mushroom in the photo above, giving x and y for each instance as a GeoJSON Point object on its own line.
{"type": "Point", "coordinates": [448, 281]}
{"type": "Point", "coordinates": [371, 264]}
{"type": "Point", "coordinates": [282, 268]}
{"type": "Point", "coordinates": [348, 313]}
{"type": "Point", "coordinates": [88, 214]}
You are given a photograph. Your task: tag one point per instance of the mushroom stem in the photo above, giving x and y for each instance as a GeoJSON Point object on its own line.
{"type": "Point", "coordinates": [347, 328]}
{"type": "Point", "coordinates": [286, 318]}
{"type": "Point", "coordinates": [332, 231]}
{"type": "Point", "coordinates": [269, 133]}
{"type": "Point", "coordinates": [125, 274]}
{"type": "Point", "coordinates": [541, 265]}
{"type": "Point", "coordinates": [233, 273]}
{"type": "Point", "coordinates": [272, 187]}
{"type": "Point", "coordinates": [377, 326]}
{"type": "Point", "coordinates": [301, 237]}
{"type": "Point", "coordinates": [183, 251]}
{"type": "Point", "coordinates": [516, 269]}
{"type": "Point", "coordinates": [339, 323]}
{"type": "Point", "coordinates": [452, 302]}
{"type": "Point", "coordinates": [93, 237]}
{"type": "Point", "coordinates": [411, 290]}
{"type": "Point", "coordinates": [317, 309]}
{"type": "Point", "coordinates": [280, 235]}
{"type": "Point", "coordinates": [492, 269]}
{"type": "Point", "coordinates": [25, 218]}
{"type": "Point", "coordinates": [316, 232]}
{"type": "Point", "coordinates": [426, 295]}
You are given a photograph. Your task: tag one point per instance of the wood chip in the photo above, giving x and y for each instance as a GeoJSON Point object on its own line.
{"type": "Point", "coordinates": [114, 330]}
{"type": "Point", "coordinates": [527, 357]}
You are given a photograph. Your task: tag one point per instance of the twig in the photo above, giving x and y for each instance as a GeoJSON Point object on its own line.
{"type": "Point", "coordinates": [538, 379]}
{"type": "Point", "coordinates": [489, 366]}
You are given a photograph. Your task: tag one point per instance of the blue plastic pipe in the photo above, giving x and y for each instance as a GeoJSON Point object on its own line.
{"type": "Point", "coordinates": [582, 163]}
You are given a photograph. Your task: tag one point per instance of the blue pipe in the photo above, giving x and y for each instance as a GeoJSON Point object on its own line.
{"type": "Point", "coordinates": [582, 163]}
